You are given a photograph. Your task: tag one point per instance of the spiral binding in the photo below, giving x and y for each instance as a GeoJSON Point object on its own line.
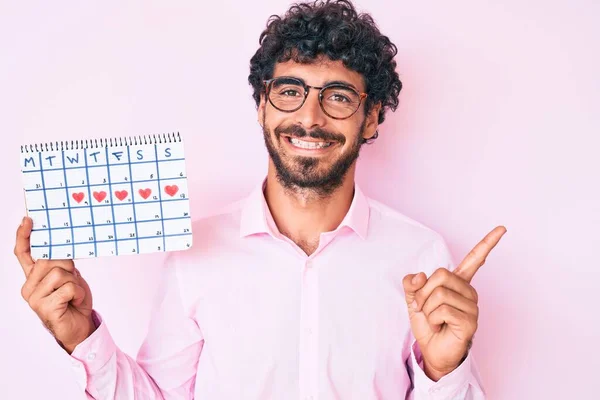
{"type": "Point", "coordinates": [99, 143]}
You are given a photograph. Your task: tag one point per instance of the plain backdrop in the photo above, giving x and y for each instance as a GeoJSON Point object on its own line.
{"type": "Point", "coordinates": [498, 124]}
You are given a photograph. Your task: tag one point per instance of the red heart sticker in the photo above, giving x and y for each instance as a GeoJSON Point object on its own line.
{"type": "Point", "coordinates": [171, 190]}
{"type": "Point", "coordinates": [78, 196]}
{"type": "Point", "coordinates": [121, 194]}
{"type": "Point", "coordinates": [99, 196]}
{"type": "Point", "coordinates": [145, 193]}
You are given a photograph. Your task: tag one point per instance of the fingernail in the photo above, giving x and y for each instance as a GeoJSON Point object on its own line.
{"type": "Point", "coordinates": [414, 305]}
{"type": "Point", "coordinates": [415, 279]}
{"type": "Point", "coordinates": [23, 221]}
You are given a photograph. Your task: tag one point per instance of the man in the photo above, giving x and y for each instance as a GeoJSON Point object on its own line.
{"type": "Point", "coordinates": [307, 289]}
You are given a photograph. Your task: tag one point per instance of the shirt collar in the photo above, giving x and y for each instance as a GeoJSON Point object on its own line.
{"type": "Point", "coordinates": [256, 217]}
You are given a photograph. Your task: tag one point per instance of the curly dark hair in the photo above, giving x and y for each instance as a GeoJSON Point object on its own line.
{"type": "Point", "coordinates": [336, 30]}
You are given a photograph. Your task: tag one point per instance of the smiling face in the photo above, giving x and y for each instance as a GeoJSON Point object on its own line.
{"type": "Point", "coordinates": [308, 148]}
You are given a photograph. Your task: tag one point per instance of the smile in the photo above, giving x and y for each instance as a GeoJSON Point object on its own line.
{"type": "Point", "coordinates": [308, 145]}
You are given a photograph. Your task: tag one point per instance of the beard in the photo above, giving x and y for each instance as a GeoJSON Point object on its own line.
{"type": "Point", "coordinates": [303, 173]}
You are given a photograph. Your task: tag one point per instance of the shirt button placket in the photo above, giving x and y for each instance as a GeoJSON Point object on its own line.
{"type": "Point", "coordinates": [308, 333]}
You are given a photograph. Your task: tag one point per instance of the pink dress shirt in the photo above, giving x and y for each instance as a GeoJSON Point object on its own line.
{"type": "Point", "coordinates": [246, 314]}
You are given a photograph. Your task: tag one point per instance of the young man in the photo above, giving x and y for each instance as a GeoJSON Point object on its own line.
{"type": "Point", "coordinates": [307, 289]}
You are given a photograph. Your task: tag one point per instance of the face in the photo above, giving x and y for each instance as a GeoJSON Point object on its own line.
{"type": "Point", "coordinates": [308, 148]}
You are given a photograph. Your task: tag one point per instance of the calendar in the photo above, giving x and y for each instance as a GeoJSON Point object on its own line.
{"type": "Point", "coordinates": [107, 197]}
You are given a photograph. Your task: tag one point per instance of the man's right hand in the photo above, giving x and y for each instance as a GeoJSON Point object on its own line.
{"type": "Point", "coordinates": [57, 293]}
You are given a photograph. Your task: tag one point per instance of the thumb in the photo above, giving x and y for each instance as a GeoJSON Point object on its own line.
{"type": "Point", "coordinates": [412, 283]}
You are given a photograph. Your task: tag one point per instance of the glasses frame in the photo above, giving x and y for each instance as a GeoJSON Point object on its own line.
{"type": "Point", "coordinates": [307, 88]}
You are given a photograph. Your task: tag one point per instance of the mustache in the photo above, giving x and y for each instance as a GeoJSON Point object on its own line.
{"type": "Point", "coordinates": [317, 133]}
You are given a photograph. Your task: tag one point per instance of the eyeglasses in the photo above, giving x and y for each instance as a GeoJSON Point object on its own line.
{"type": "Point", "coordinates": [289, 94]}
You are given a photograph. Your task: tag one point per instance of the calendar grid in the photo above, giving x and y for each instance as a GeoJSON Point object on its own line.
{"type": "Point", "coordinates": [87, 180]}
{"type": "Point", "coordinates": [69, 205]}
{"type": "Point", "coordinates": [112, 208]}
{"type": "Point", "coordinates": [162, 221]}
{"type": "Point", "coordinates": [137, 239]}
{"type": "Point", "coordinates": [46, 206]}
{"type": "Point", "coordinates": [107, 197]}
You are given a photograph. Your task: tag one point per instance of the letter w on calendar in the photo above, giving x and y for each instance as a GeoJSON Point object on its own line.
{"type": "Point", "coordinates": [94, 198]}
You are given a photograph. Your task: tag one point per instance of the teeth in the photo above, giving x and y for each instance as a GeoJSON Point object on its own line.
{"type": "Point", "coordinates": [309, 145]}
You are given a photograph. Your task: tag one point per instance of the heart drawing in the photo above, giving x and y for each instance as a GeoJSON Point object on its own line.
{"type": "Point", "coordinates": [78, 197]}
{"type": "Point", "coordinates": [171, 190]}
{"type": "Point", "coordinates": [121, 194]}
{"type": "Point", "coordinates": [99, 196]}
{"type": "Point", "coordinates": [145, 193]}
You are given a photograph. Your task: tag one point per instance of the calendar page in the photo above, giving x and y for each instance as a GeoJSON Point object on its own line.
{"type": "Point", "coordinates": [107, 197]}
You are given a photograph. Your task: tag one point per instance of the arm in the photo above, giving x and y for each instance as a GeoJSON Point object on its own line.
{"type": "Point", "coordinates": [165, 367]}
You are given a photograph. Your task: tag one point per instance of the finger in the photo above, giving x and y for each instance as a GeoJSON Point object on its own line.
{"type": "Point", "coordinates": [464, 325]}
{"type": "Point", "coordinates": [477, 256]}
{"type": "Point", "coordinates": [47, 271]}
{"type": "Point", "coordinates": [442, 295]}
{"type": "Point", "coordinates": [22, 245]}
{"type": "Point", "coordinates": [70, 291]}
{"type": "Point", "coordinates": [411, 284]}
{"type": "Point", "coordinates": [443, 277]}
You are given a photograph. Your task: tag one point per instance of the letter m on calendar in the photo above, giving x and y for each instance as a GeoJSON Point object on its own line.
{"type": "Point", "coordinates": [93, 198]}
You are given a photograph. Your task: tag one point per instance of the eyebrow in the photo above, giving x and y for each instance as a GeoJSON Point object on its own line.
{"type": "Point", "coordinates": [327, 83]}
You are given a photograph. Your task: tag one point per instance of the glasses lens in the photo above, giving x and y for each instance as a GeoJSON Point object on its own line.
{"type": "Point", "coordinates": [287, 94]}
{"type": "Point", "coordinates": [340, 101]}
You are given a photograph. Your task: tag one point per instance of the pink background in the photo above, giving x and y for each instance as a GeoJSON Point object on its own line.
{"type": "Point", "coordinates": [498, 124]}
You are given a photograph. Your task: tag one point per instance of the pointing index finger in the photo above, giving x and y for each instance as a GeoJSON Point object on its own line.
{"type": "Point", "coordinates": [476, 257]}
{"type": "Point", "coordinates": [22, 248]}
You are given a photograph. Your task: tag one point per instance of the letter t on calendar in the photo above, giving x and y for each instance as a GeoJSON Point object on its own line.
{"type": "Point", "coordinates": [94, 198]}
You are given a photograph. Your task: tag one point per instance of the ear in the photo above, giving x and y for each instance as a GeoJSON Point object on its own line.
{"type": "Point", "coordinates": [372, 121]}
{"type": "Point", "coordinates": [261, 109]}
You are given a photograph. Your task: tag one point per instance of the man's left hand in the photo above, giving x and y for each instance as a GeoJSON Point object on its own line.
{"type": "Point", "coordinates": [443, 309]}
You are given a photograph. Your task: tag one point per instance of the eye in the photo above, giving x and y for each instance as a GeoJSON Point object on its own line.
{"type": "Point", "coordinates": [290, 92]}
{"type": "Point", "coordinates": [339, 98]}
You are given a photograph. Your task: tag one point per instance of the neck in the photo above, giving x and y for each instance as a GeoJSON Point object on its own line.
{"type": "Point", "coordinates": [303, 214]}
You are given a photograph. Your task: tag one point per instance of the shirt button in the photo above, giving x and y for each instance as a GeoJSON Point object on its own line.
{"type": "Point", "coordinates": [91, 356]}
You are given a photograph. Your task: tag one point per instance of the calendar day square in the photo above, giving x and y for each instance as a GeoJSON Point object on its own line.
{"type": "Point", "coordinates": [32, 180]}
{"type": "Point", "coordinates": [54, 179]}
{"type": "Point", "coordinates": [61, 236]}
{"type": "Point", "coordinates": [40, 252]}
{"type": "Point", "coordinates": [57, 198]}
{"type": "Point", "coordinates": [181, 226]}
{"type": "Point", "coordinates": [36, 200]}
{"type": "Point", "coordinates": [79, 197]}
{"type": "Point", "coordinates": [171, 169]}
{"type": "Point", "coordinates": [150, 245]}
{"type": "Point", "coordinates": [85, 250]}
{"type": "Point", "coordinates": [124, 214]}
{"type": "Point", "coordinates": [98, 175]}
{"type": "Point", "coordinates": [148, 211]}
{"type": "Point", "coordinates": [59, 219]}
{"type": "Point", "coordinates": [83, 235]}
{"type": "Point", "coordinates": [144, 172]}
{"type": "Point", "coordinates": [76, 178]}
{"type": "Point", "coordinates": [149, 229]}
{"type": "Point", "coordinates": [121, 193]}
{"type": "Point", "coordinates": [126, 231]}
{"type": "Point", "coordinates": [62, 252]}
{"type": "Point", "coordinates": [175, 243]}
{"type": "Point", "coordinates": [144, 192]}
{"type": "Point", "coordinates": [102, 215]}
{"type": "Point", "coordinates": [176, 209]}
{"type": "Point", "coordinates": [119, 173]}
{"type": "Point", "coordinates": [40, 219]}
{"type": "Point", "coordinates": [127, 247]}
{"type": "Point", "coordinates": [100, 195]}
{"type": "Point", "coordinates": [173, 189]}
{"type": "Point", "coordinates": [104, 232]}
{"type": "Point", "coordinates": [40, 238]}
{"type": "Point", "coordinates": [81, 216]}
{"type": "Point", "coordinates": [106, 248]}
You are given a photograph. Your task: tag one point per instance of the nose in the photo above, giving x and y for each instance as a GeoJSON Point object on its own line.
{"type": "Point", "coordinates": [311, 115]}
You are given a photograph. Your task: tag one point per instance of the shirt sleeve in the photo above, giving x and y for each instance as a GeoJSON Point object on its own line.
{"type": "Point", "coordinates": [165, 367]}
{"type": "Point", "coordinates": [464, 383]}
